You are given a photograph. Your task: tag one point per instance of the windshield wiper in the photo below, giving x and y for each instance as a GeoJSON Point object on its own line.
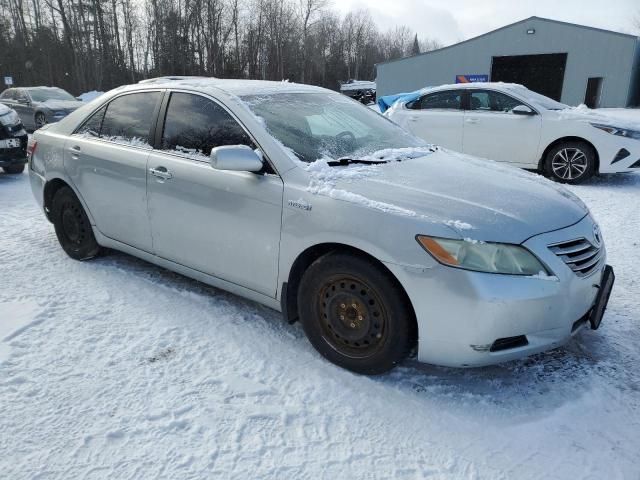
{"type": "Point", "coordinates": [351, 161]}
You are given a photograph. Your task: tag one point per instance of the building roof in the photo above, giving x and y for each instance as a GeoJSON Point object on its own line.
{"type": "Point", "coordinates": [602, 30]}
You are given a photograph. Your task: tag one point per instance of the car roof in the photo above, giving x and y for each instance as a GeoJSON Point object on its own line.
{"type": "Point", "coordinates": [476, 85]}
{"type": "Point", "coordinates": [232, 86]}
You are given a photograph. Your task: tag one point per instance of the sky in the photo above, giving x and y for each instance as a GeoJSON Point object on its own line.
{"type": "Point", "coordinates": [451, 21]}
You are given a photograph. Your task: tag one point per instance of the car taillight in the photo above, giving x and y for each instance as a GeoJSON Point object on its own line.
{"type": "Point", "coordinates": [31, 148]}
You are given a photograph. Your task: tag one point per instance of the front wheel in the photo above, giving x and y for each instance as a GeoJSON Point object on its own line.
{"type": "Point", "coordinates": [72, 226]}
{"type": "Point", "coordinates": [14, 169]}
{"type": "Point", "coordinates": [355, 314]}
{"type": "Point", "coordinates": [570, 162]}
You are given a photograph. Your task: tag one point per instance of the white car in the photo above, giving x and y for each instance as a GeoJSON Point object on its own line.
{"type": "Point", "coordinates": [511, 124]}
{"type": "Point", "coordinates": [308, 202]}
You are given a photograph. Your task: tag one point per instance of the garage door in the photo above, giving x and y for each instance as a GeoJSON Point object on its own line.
{"type": "Point", "coordinates": [541, 73]}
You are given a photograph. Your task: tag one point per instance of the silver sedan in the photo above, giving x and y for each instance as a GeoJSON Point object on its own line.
{"type": "Point", "coordinates": [310, 203]}
{"type": "Point", "coordinates": [38, 106]}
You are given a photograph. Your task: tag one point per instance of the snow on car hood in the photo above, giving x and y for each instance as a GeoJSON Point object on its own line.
{"type": "Point", "coordinates": [599, 116]}
{"type": "Point", "coordinates": [480, 199]}
{"type": "Point", "coordinates": [62, 104]}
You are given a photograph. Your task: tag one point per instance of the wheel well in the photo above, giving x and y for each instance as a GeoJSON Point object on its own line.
{"type": "Point", "coordinates": [50, 189]}
{"type": "Point", "coordinates": [564, 140]}
{"type": "Point", "coordinates": [289, 296]}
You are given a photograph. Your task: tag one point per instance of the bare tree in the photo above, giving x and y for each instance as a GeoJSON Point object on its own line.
{"type": "Point", "coordinates": [99, 44]}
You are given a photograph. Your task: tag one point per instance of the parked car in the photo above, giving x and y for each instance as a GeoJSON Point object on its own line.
{"type": "Point", "coordinates": [13, 141]}
{"type": "Point", "coordinates": [38, 106]}
{"type": "Point", "coordinates": [310, 203]}
{"type": "Point", "coordinates": [361, 90]}
{"type": "Point", "coordinates": [511, 124]}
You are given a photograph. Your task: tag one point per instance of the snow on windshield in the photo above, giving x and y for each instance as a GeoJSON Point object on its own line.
{"type": "Point", "coordinates": [330, 126]}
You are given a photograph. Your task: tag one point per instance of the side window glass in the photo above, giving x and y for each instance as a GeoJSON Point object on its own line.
{"type": "Point", "coordinates": [128, 119]}
{"type": "Point", "coordinates": [480, 101]}
{"type": "Point", "coordinates": [490, 101]}
{"type": "Point", "coordinates": [194, 125]}
{"type": "Point", "coordinates": [503, 103]}
{"type": "Point", "coordinates": [20, 96]}
{"type": "Point", "coordinates": [450, 100]}
{"type": "Point", "coordinates": [93, 125]}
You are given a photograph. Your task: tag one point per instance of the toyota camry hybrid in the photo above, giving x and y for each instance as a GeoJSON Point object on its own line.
{"type": "Point", "coordinates": [303, 200]}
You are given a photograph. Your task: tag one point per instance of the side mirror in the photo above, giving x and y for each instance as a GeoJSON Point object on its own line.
{"type": "Point", "coordinates": [523, 110]}
{"type": "Point", "coordinates": [239, 158]}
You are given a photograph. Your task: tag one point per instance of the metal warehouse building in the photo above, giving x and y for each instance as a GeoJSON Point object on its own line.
{"type": "Point", "coordinates": [567, 62]}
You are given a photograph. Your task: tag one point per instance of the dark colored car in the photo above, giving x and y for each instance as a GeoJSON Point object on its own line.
{"type": "Point", "coordinates": [38, 106]}
{"type": "Point", "coordinates": [13, 141]}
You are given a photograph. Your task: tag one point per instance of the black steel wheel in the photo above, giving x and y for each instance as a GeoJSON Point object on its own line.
{"type": "Point", "coordinates": [72, 226]}
{"type": "Point", "coordinates": [355, 314]}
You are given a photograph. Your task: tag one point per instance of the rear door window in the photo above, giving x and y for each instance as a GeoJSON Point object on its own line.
{"type": "Point", "coordinates": [448, 100]}
{"type": "Point", "coordinates": [128, 118]}
{"type": "Point", "coordinates": [194, 125]}
{"type": "Point", "coordinates": [93, 125]}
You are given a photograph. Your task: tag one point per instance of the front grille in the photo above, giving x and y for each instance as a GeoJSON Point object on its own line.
{"type": "Point", "coordinates": [580, 255]}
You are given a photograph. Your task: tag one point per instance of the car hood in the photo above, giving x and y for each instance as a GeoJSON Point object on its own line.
{"type": "Point", "coordinates": [479, 199]}
{"type": "Point", "coordinates": [68, 105]}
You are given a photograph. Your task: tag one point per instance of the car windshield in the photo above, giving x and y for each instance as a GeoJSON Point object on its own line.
{"type": "Point", "coordinates": [320, 125]}
{"type": "Point", "coordinates": [42, 94]}
{"type": "Point", "coordinates": [540, 100]}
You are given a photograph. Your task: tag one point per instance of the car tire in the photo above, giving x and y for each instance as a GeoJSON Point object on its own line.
{"type": "Point", "coordinates": [40, 120]}
{"type": "Point", "coordinates": [72, 226]}
{"type": "Point", "coordinates": [14, 169]}
{"type": "Point", "coordinates": [570, 162]}
{"type": "Point", "coordinates": [355, 314]}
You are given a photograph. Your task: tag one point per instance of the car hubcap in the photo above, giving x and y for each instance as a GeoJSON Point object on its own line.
{"type": "Point", "coordinates": [40, 121]}
{"type": "Point", "coordinates": [569, 163]}
{"type": "Point", "coordinates": [72, 225]}
{"type": "Point", "coordinates": [353, 317]}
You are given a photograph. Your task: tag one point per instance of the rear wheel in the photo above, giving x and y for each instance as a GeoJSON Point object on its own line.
{"type": "Point", "coordinates": [72, 226]}
{"type": "Point", "coordinates": [40, 120]}
{"type": "Point", "coordinates": [14, 169]}
{"type": "Point", "coordinates": [355, 314]}
{"type": "Point", "coordinates": [571, 162]}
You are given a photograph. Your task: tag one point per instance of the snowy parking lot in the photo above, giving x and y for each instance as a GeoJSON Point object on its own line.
{"type": "Point", "coordinates": [116, 368]}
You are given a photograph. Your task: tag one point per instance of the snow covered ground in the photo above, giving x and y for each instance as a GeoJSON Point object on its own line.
{"type": "Point", "coordinates": [117, 369]}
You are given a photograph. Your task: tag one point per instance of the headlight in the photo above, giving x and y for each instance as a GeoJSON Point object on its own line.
{"type": "Point", "coordinates": [620, 132]}
{"type": "Point", "coordinates": [10, 118]}
{"type": "Point", "coordinates": [483, 257]}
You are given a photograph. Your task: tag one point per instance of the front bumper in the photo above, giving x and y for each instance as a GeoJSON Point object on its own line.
{"type": "Point", "coordinates": [619, 155]}
{"type": "Point", "coordinates": [461, 313]}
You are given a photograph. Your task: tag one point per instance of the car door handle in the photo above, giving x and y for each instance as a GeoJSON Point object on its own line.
{"type": "Point", "coordinates": [161, 172]}
{"type": "Point", "coordinates": [472, 120]}
{"type": "Point", "coordinates": [75, 152]}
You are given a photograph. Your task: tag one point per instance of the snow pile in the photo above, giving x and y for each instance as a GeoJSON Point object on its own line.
{"type": "Point", "coordinates": [89, 96]}
{"type": "Point", "coordinates": [116, 368]}
{"type": "Point", "coordinates": [357, 85]}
